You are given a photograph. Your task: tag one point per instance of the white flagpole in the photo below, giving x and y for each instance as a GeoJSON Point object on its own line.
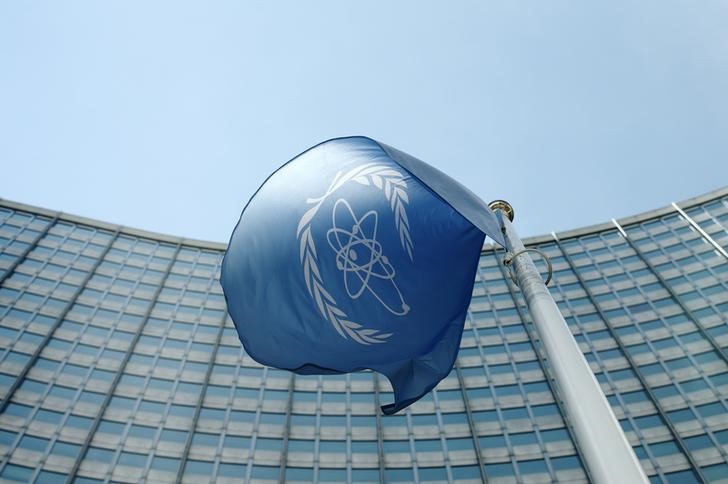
{"type": "Point", "coordinates": [603, 445]}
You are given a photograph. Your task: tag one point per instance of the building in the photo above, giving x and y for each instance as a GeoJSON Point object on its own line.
{"type": "Point", "coordinates": [118, 363]}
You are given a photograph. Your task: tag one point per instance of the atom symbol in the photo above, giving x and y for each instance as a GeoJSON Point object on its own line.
{"type": "Point", "coordinates": [359, 256]}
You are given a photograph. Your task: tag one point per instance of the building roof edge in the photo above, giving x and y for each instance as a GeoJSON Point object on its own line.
{"type": "Point", "coordinates": [204, 244]}
{"type": "Point", "coordinates": [628, 220]}
{"type": "Point", "coordinates": [147, 234]}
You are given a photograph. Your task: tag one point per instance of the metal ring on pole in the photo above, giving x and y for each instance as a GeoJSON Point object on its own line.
{"type": "Point", "coordinates": [508, 260]}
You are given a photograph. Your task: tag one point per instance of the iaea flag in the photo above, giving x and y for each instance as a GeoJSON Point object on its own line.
{"type": "Point", "coordinates": [354, 255]}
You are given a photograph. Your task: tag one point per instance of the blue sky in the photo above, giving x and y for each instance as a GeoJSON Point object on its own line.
{"type": "Point", "coordinates": [168, 115]}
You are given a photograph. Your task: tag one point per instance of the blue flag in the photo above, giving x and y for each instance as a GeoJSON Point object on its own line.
{"type": "Point", "coordinates": [354, 256]}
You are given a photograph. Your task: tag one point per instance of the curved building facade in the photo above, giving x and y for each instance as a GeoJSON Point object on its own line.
{"type": "Point", "coordinates": [118, 363]}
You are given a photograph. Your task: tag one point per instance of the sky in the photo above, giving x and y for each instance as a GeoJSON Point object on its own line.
{"type": "Point", "coordinates": [167, 116]}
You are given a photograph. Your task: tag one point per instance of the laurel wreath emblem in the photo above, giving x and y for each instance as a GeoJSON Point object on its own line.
{"type": "Point", "coordinates": [392, 183]}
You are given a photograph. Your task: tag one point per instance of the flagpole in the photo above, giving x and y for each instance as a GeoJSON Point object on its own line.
{"type": "Point", "coordinates": [603, 445]}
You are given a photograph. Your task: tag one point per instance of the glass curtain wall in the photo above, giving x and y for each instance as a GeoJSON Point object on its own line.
{"type": "Point", "coordinates": [118, 362]}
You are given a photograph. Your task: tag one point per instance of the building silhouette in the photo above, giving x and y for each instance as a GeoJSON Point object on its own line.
{"type": "Point", "coordinates": [118, 363]}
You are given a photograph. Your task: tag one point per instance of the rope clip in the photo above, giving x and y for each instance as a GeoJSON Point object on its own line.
{"type": "Point", "coordinates": [508, 261]}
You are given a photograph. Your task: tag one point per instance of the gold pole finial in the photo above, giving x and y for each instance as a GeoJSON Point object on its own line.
{"type": "Point", "coordinates": [504, 207]}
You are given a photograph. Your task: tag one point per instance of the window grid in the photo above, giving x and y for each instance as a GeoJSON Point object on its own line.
{"type": "Point", "coordinates": [86, 446]}
{"type": "Point", "coordinates": [25, 238]}
{"type": "Point", "coordinates": [712, 217]}
{"type": "Point", "coordinates": [642, 449]}
{"type": "Point", "coordinates": [145, 329]}
{"type": "Point", "coordinates": [42, 342]}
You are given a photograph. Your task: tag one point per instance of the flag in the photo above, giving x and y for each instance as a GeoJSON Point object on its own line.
{"type": "Point", "coordinates": [354, 255]}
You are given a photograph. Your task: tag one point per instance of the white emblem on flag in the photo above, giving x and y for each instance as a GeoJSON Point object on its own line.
{"type": "Point", "coordinates": [360, 258]}
{"type": "Point", "coordinates": [392, 183]}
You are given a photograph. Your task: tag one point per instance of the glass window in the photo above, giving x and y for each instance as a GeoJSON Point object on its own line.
{"type": "Point", "coordinates": [419, 420]}
{"type": "Point", "coordinates": [398, 475]}
{"type": "Point", "coordinates": [427, 474]}
{"type": "Point", "coordinates": [332, 475]}
{"type": "Point", "coordinates": [393, 446]}
{"type": "Point", "coordinates": [33, 386]}
{"type": "Point", "coordinates": [711, 409]}
{"type": "Point", "coordinates": [142, 432]}
{"type": "Point", "coordinates": [48, 416]}
{"type": "Point", "coordinates": [364, 475]}
{"type": "Point", "coordinates": [648, 421]}
{"type": "Point", "coordinates": [269, 444]}
{"type": "Point", "coordinates": [698, 442]}
{"type": "Point", "coordinates": [231, 470]}
{"type": "Point", "coordinates": [722, 437]}
{"type": "Point", "coordinates": [334, 421]}
{"type": "Point", "coordinates": [48, 477]}
{"type": "Point", "coordinates": [296, 445]}
{"type": "Point", "coordinates": [332, 446]}
{"type": "Point", "coordinates": [99, 455]}
{"type": "Point", "coordinates": [36, 444]}
{"type": "Point", "coordinates": [303, 420]}
{"type": "Point", "coordinates": [83, 423]}
{"type": "Point", "coordinates": [547, 410]}
{"type": "Point", "coordinates": [103, 375]}
{"type": "Point", "coordinates": [524, 438]}
{"type": "Point", "coordinates": [664, 448]}
{"type": "Point", "coordinates": [475, 393]}
{"type": "Point", "coordinates": [236, 442]}
{"type": "Point", "coordinates": [247, 393]}
{"type": "Point", "coordinates": [537, 466]}
{"type": "Point", "coordinates": [515, 413]}
{"type": "Point", "coordinates": [715, 472]}
{"type": "Point", "coordinates": [364, 447]}
{"type": "Point", "coordinates": [121, 403]}
{"type": "Point", "coordinates": [111, 428]}
{"type": "Point", "coordinates": [485, 416]}
{"type": "Point", "coordinates": [198, 467]}
{"type": "Point", "coordinates": [181, 411]}
{"type": "Point", "coordinates": [18, 411]}
{"type": "Point", "coordinates": [14, 472]}
{"type": "Point", "coordinates": [7, 438]}
{"type": "Point", "coordinates": [212, 414]}
{"type": "Point", "coordinates": [242, 416]}
{"type": "Point", "coordinates": [165, 464]}
{"type": "Point", "coordinates": [132, 459]}
{"type": "Point", "coordinates": [169, 435]}
{"type": "Point", "coordinates": [566, 463]}
{"type": "Point", "coordinates": [492, 442]}
{"type": "Point", "coordinates": [272, 418]}
{"type": "Point", "coordinates": [158, 408]}
{"type": "Point", "coordinates": [682, 476]}
{"type": "Point", "coordinates": [300, 474]}
{"type": "Point", "coordinates": [66, 449]}
{"type": "Point", "coordinates": [454, 418]}
{"type": "Point", "coordinates": [499, 470]}
{"type": "Point", "coordinates": [554, 435]}
{"type": "Point", "coordinates": [265, 472]}
{"type": "Point", "coordinates": [276, 394]}
{"type": "Point", "coordinates": [429, 445]}
{"type": "Point", "coordinates": [460, 444]}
